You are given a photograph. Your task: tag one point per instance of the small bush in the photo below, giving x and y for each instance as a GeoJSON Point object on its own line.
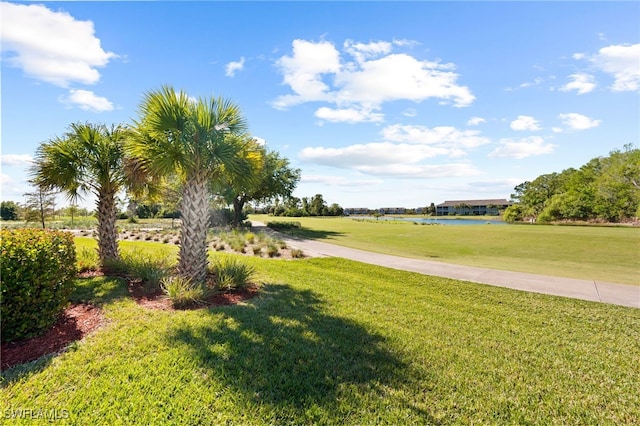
{"type": "Point", "coordinates": [272, 249]}
{"type": "Point", "coordinates": [297, 253]}
{"type": "Point", "coordinates": [284, 225]}
{"type": "Point", "coordinates": [231, 273]}
{"type": "Point", "coordinates": [87, 260]}
{"type": "Point", "coordinates": [182, 291]}
{"type": "Point", "coordinates": [250, 237]}
{"type": "Point", "coordinates": [36, 276]}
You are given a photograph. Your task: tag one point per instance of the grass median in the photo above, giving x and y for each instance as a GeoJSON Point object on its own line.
{"type": "Point", "coordinates": [331, 341]}
{"type": "Point", "coordinates": [610, 254]}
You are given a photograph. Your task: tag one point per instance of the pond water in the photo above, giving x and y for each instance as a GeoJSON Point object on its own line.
{"type": "Point", "coordinates": [438, 220]}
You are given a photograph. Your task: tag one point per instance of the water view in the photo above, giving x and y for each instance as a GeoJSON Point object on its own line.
{"type": "Point", "coordinates": [438, 220]}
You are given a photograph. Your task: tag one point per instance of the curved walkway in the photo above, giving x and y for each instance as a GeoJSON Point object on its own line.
{"type": "Point", "coordinates": [596, 291]}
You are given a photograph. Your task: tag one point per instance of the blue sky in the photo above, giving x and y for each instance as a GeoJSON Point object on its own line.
{"type": "Point", "coordinates": [380, 104]}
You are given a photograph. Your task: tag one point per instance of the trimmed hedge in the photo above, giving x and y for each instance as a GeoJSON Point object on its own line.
{"type": "Point", "coordinates": [36, 275]}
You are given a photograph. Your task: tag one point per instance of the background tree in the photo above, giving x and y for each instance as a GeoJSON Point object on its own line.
{"type": "Point", "coordinates": [40, 205]}
{"type": "Point", "coordinates": [275, 179]}
{"type": "Point", "coordinates": [89, 158]}
{"type": "Point", "coordinates": [198, 141]}
{"type": "Point", "coordinates": [606, 188]}
{"type": "Point", "coordinates": [9, 210]}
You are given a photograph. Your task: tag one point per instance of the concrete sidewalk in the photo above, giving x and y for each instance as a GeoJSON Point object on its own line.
{"type": "Point", "coordinates": [596, 291]}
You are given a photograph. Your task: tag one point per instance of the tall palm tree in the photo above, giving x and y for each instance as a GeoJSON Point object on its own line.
{"type": "Point", "coordinates": [198, 140]}
{"type": "Point", "coordinates": [88, 158]}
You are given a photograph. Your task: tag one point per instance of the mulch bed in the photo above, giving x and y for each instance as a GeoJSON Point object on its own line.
{"type": "Point", "coordinates": [76, 322]}
{"type": "Point", "coordinates": [81, 319]}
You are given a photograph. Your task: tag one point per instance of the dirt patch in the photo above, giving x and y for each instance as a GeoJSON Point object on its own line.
{"type": "Point", "coordinates": [75, 323]}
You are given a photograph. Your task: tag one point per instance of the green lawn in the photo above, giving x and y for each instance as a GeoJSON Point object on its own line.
{"type": "Point", "coordinates": [331, 341]}
{"type": "Point", "coordinates": [609, 254]}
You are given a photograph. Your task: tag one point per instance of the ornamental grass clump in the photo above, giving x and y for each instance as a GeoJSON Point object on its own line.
{"type": "Point", "coordinates": [182, 291]}
{"type": "Point", "coordinates": [231, 273]}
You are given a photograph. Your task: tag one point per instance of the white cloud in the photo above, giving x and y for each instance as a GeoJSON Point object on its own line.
{"type": "Point", "coordinates": [446, 137]}
{"type": "Point", "coordinates": [410, 112]}
{"type": "Point", "coordinates": [304, 69]}
{"type": "Point", "coordinates": [525, 122]}
{"type": "Point", "coordinates": [52, 46]}
{"type": "Point", "coordinates": [387, 160]}
{"type": "Point", "coordinates": [348, 115]}
{"type": "Point", "coordinates": [577, 121]}
{"type": "Point", "coordinates": [87, 100]}
{"type": "Point", "coordinates": [623, 63]}
{"type": "Point", "coordinates": [406, 153]}
{"type": "Point", "coordinates": [536, 81]}
{"type": "Point", "coordinates": [232, 67]}
{"type": "Point", "coordinates": [332, 180]}
{"type": "Point", "coordinates": [318, 72]}
{"type": "Point", "coordinates": [522, 148]}
{"type": "Point", "coordinates": [16, 160]}
{"type": "Point", "coordinates": [260, 141]}
{"type": "Point", "coordinates": [581, 83]}
{"type": "Point", "coordinates": [401, 77]}
{"type": "Point", "coordinates": [362, 51]}
{"type": "Point", "coordinates": [474, 121]}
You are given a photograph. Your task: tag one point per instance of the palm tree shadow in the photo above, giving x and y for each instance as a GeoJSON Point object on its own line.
{"type": "Point", "coordinates": [284, 350]}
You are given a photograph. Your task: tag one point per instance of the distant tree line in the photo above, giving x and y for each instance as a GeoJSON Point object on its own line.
{"type": "Point", "coordinates": [305, 206]}
{"type": "Point", "coordinates": [604, 189]}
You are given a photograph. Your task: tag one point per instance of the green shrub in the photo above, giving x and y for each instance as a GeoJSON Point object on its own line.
{"type": "Point", "coordinates": [36, 276]}
{"type": "Point", "coordinates": [87, 259]}
{"type": "Point", "coordinates": [272, 249]}
{"type": "Point", "coordinates": [182, 291]}
{"type": "Point", "coordinates": [231, 273]}
{"type": "Point", "coordinates": [284, 225]}
{"type": "Point", "coordinates": [297, 253]}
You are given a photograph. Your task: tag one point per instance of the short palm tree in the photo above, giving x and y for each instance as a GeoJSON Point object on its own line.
{"type": "Point", "coordinates": [89, 158]}
{"type": "Point", "coordinates": [198, 140]}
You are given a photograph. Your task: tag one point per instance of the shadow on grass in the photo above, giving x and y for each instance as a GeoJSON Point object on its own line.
{"type": "Point", "coordinates": [98, 290]}
{"type": "Point", "coordinates": [311, 234]}
{"type": "Point", "coordinates": [283, 350]}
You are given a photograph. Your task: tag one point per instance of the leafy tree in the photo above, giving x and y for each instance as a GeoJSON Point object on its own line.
{"type": "Point", "coordinates": [199, 141]}
{"type": "Point", "coordinates": [9, 210]}
{"type": "Point", "coordinates": [89, 158]}
{"type": "Point", "coordinates": [274, 179]}
{"type": "Point", "coordinates": [605, 188]}
{"type": "Point", "coordinates": [40, 205]}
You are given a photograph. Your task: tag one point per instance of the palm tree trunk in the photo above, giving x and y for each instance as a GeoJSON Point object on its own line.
{"type": "Point", "coordinates": [107, 235]}
{"type": "Point", "coordinates": [192, 257]}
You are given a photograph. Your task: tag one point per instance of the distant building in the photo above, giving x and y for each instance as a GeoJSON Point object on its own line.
{"type": "Point", "coordinates": [392, 210]}
{"type": "Point", "coordinates": [356, 210]}
{"type": "Point", "coordinates": [472, 207]}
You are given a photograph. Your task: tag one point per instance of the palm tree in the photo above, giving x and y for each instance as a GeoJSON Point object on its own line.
{"type": "Point", "coordinates": [88, 158]}
{"type": "Point", "coordinates": [198, 140]}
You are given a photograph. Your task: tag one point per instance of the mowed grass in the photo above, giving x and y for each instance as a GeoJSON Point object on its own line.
{"type": "Point", "coordinates": [610, 254]}
{"type": "Point", "coordinates": [331, 341]}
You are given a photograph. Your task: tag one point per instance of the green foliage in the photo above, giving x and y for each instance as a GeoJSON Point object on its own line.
{"type": "Point", "coordinates": [9, 210]}
{"type": "Point", "coordinates": [283, 225]}
{"type": "Point", "coordinates": [182, 291]}
{"type": "Point", "coordinates": [330, 342]}
{"type": "Point", "coordinates": [36, 275]}
{"type": "Point", "coordinates": [87, 259]}
{"type": "Point", "coordinates": [231, 273]}
{"type": "Point", "coordinates": [606, 188]}
{"type": "Point", "coordinates": [513, 213]}
{"type": "Point", "coordinates": [306, 206]}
